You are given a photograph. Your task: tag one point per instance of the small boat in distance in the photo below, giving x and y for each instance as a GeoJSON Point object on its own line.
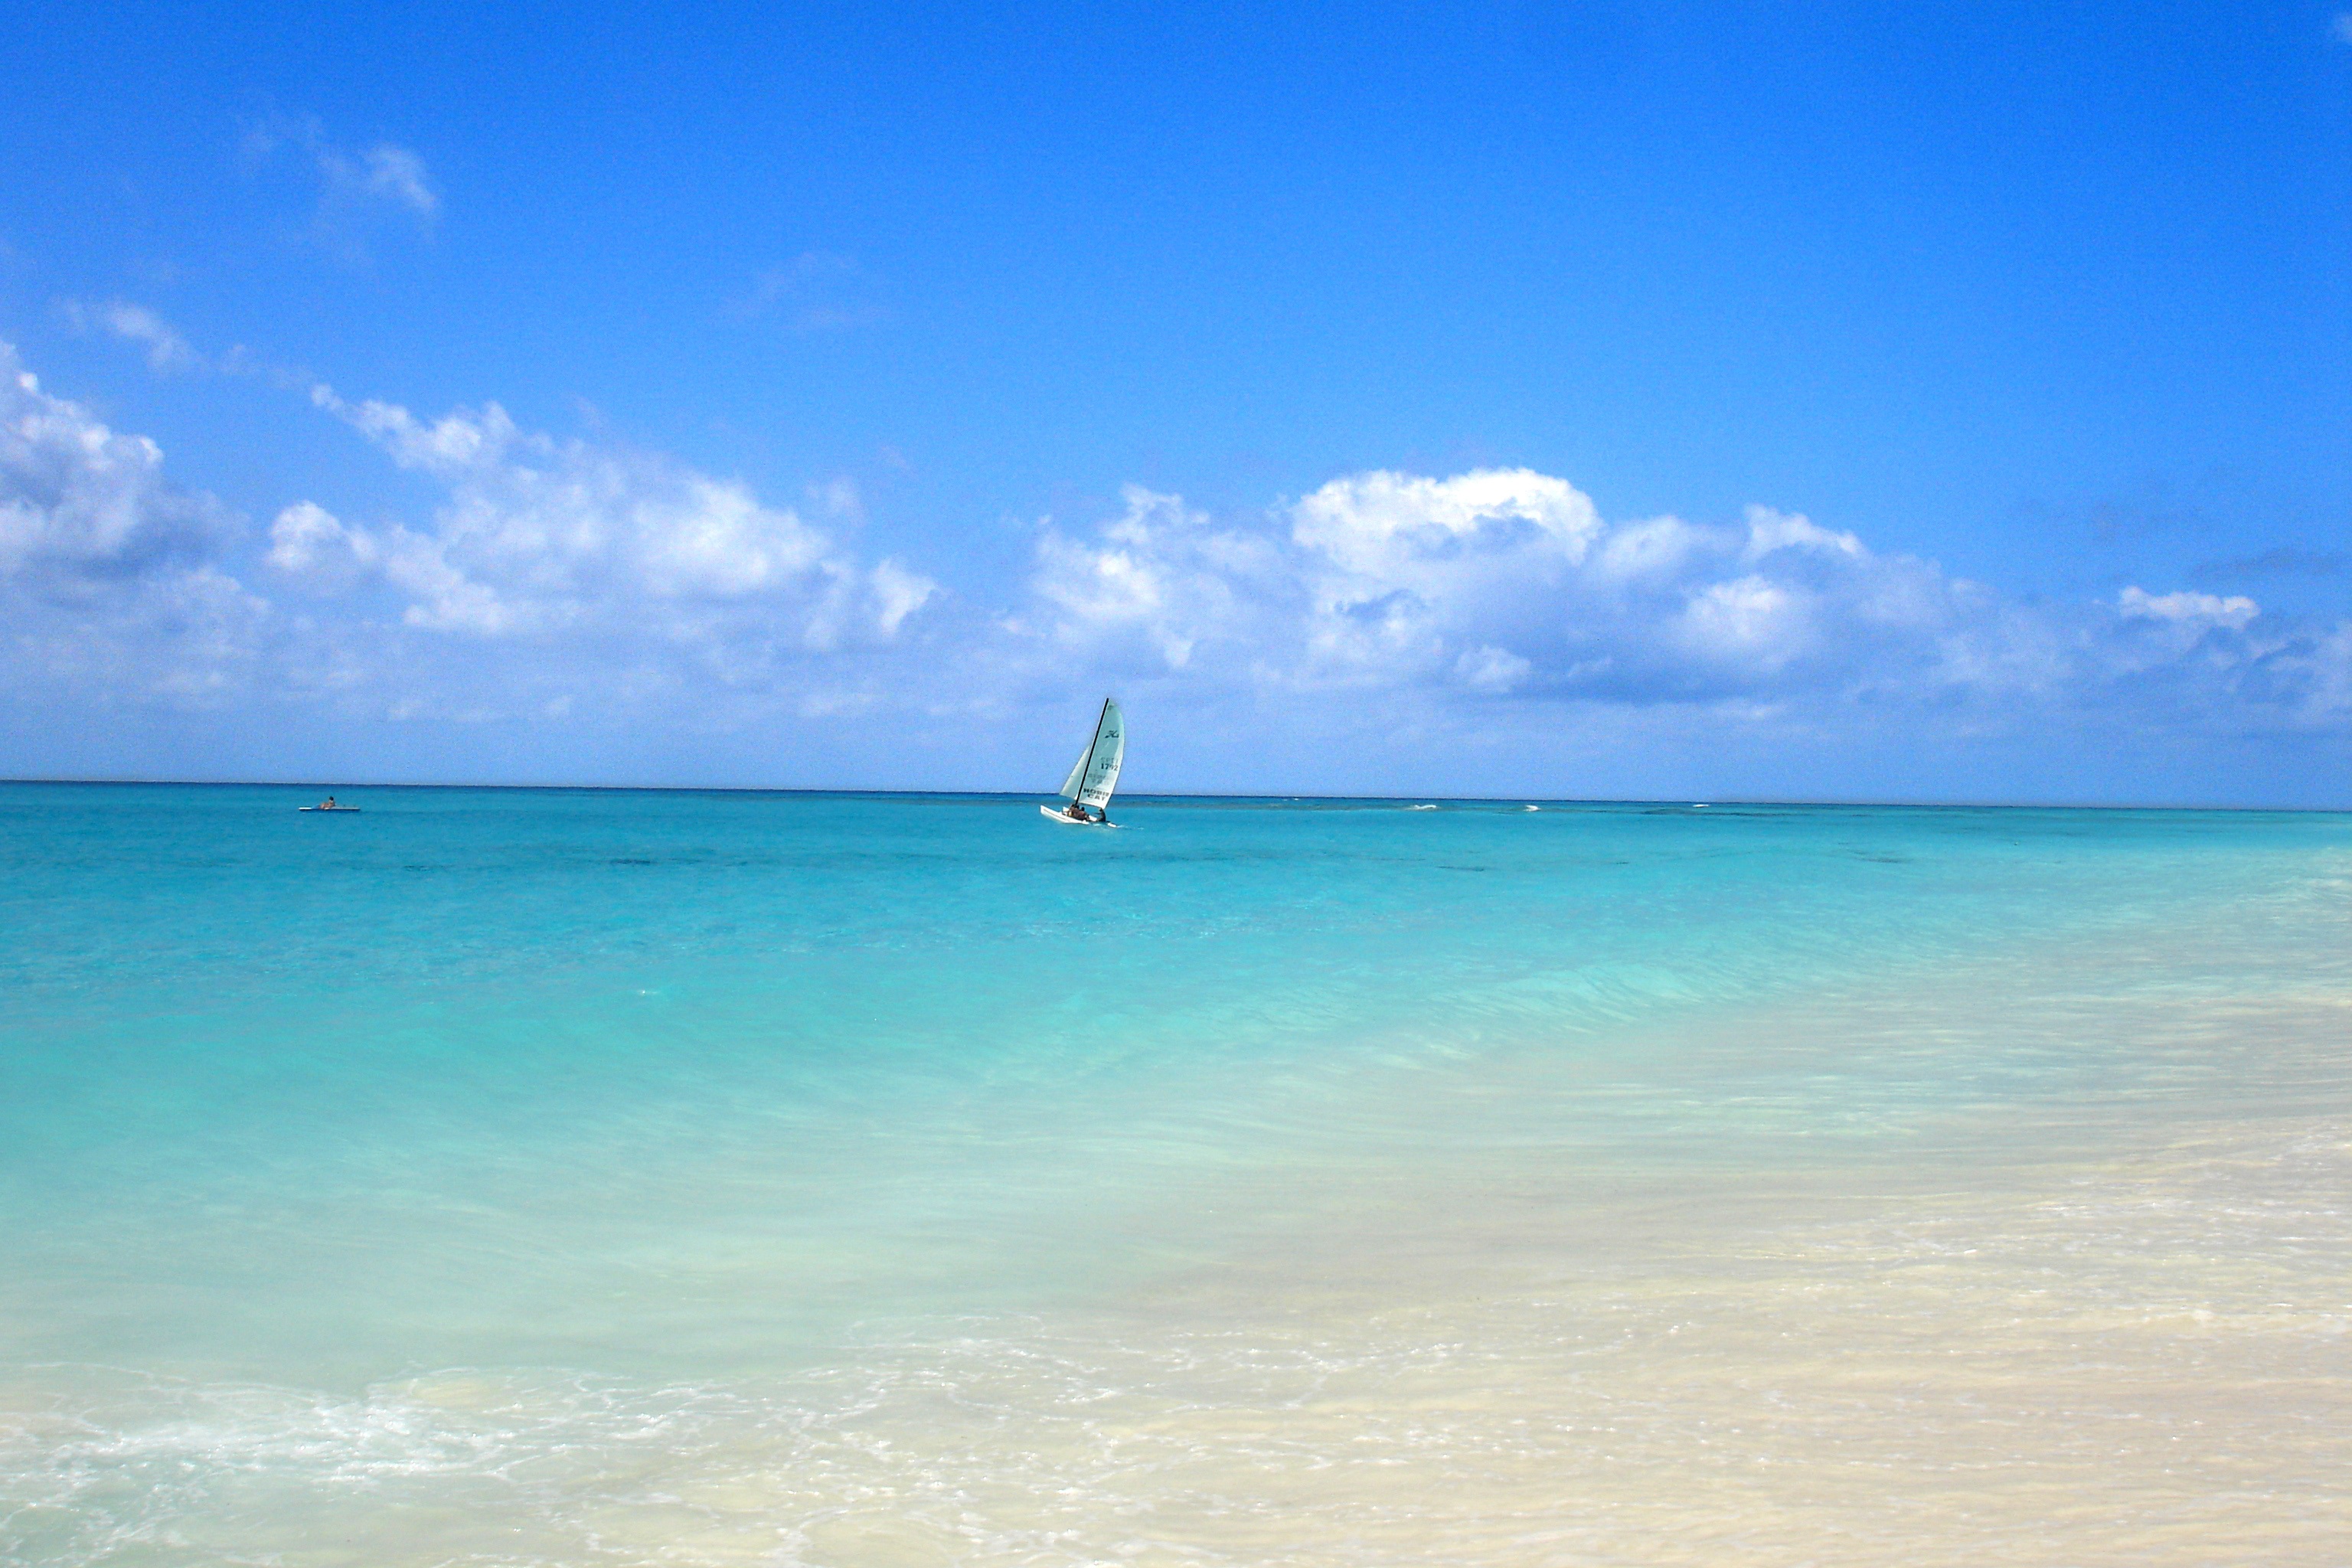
{"type": "Point", "coordinates": [327, 805]}
{"type": "Point", "coordinates": [1094, 775]}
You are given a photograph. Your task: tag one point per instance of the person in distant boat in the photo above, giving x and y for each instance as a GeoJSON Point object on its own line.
{"type": "Point", "coordinates": [330, 803]}
{"type": "Point", "coordinates": [1075, 812]}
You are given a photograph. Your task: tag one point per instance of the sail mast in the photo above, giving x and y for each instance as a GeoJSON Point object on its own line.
{"type": "Point", "coordinates": [1094, 775]}
{"type": "Point", "coordinates": [1103, 758]}
{"type": "Point", "coordinates": [1075, 784]}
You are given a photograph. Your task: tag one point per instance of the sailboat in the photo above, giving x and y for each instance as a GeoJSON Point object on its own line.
{"type": "Point", "coordinates": [1094, 775]}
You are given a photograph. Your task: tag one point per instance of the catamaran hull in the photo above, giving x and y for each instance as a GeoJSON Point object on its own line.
{"type": "Point", "coordinates": [1054, 814]}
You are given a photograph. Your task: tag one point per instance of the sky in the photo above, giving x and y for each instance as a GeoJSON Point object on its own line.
{"type": "Point", "coordinates": [1934, 402]}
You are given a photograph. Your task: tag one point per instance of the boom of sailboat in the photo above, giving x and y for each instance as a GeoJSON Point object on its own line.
{"type": "Point", "coordinates": [1093, 775]}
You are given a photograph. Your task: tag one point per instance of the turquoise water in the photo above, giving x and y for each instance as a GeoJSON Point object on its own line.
{"type": "Point", "coordinates": [662, 1088]}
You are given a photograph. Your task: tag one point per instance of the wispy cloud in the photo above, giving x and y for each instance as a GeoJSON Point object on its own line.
{"type": "Point", "coordinates": [2196, 611]}
{"type": "Point", "coordinates": [816, 291]}
{"type": "Point", "coordinates": [2278, 560]}
{"type": "Point", "coordinates": [388, 172]}
{"type": "Point", "coordinates": [358, 189]}
{"type": "Point", "coordinates": [167, 352]}
{"type": "Point", "coordinates": [2342, 27]}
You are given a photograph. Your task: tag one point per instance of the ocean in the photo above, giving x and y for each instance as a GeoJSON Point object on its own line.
{"type": "Point", "coordinates": [569, 1177]}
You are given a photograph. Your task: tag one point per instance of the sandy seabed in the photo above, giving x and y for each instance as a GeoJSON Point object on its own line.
{"type": "Point", "coordinates": [2142, 1359]}
{"type": "Point", "coordinates": [2107, 1325]}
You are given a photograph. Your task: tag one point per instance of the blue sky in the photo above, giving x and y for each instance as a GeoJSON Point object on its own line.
{"type": "Point", "coordinates": [1869, 402]}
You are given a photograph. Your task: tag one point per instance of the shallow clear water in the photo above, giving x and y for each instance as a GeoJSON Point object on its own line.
{"type": "Point", "coordinates": [583, 1175]}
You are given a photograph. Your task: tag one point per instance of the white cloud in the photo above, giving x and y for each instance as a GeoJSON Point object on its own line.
{"type": "Point", "coordinates": [1769, 532]}
{"type": "Point", "coordinates": [1489, 668]}
{"type": "Point", "coordinates": [390, 173]}
{"type": "Point", "coordinates": [1456, 579]}
{"type": "Point", "coordinates": [167, 351]}
{"type": "Point", "coordinates": [309, 546]}
{"type": "Point", "coordinates": [2315, 675]}
{"type": "Point", "coordinates": [2342, 27]}
{"type": "Point", "coordinates": [816, 291]}
{"type": "Point", "coordinates": [1383, 619]}
{"type": "Point", "coordinates": [2187, 609]}
{"type": "Point", "coordinates": [1154, 586]}
{"type": "Point", "coordinates": [1750, 622]}
{"type": "Point", "coordinates": [1508, 583]}
{"type": "Point", "coordinates": [81, 501]}
{"type": "Point", "coordinates": [357, 189]}
{"type": "Point", "coordinates": [1402, 572]}
{"type": "Point", "coordinates": [555, 574]}
{"type": "Point", "coordinates": [539, 536]}
{"type": "Point", "coordinates": [107, 578]}
{"type": "Point", "coordinates": [897, 594]}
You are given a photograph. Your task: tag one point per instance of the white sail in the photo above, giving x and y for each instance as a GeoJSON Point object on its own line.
{"type": "Point", "coordinates": [1096, 773]}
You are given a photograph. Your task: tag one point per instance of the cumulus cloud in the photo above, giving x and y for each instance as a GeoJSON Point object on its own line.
{"type": "Point", "coordinates": [1155, 586]}
{"type": "Point", "coordinates": [553, 572]}
{"type": "Point", "coordinates": [562, 581]}
{"type": "Point", "coordinates": [1507, 584]}
{"type": "Point", "coordinates": [1497, 581]}
{"type": "Point", "coordinates": [2312, 676]}
{"type": "Point", "coordinates": [108, 581]}
{"type": "Point", "coordinates": [311, 548]}
{"type": "Point", "coordinates": [82, 502]}
{"type": "Point", "coordinates": [539, 535]}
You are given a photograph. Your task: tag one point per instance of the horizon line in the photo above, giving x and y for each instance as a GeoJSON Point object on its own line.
{"type": "Point", "coordinates": [1196, 794]}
